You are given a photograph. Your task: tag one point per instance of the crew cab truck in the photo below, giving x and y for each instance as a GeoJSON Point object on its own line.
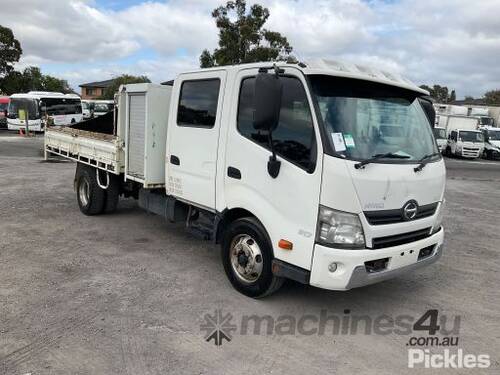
{"type": "Point", "coordinates": [464, 138]}
{"type": "Point", "coordinates": [290, 167]}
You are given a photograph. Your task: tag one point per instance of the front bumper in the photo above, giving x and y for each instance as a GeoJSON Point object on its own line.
{"type": "Point", "coordinates": [351, 271]}
{"type": "Point", "coordinates": [472, 153]}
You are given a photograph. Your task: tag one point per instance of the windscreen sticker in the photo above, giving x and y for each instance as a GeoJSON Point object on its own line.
{"type": "Point", "coordinates": [338, 142]}
{"type": "Point", "coordinates": [349, 141]}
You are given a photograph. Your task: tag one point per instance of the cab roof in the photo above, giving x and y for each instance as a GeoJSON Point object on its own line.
{"type": "Point", "coordinates": [335, 68]}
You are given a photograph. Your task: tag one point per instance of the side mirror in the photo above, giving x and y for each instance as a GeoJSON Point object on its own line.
{"type": "Point", "coordinates": [268, 88]}
{"type": "Point", "coordinates": [429, 110]}
{"type": "Point", "coordinates": [5, 113]}
{"type": "Point", "coordinates": [267, 99]}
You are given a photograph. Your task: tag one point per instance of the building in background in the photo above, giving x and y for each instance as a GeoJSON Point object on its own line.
{"type": "Point", "coordinates": [94, 90]}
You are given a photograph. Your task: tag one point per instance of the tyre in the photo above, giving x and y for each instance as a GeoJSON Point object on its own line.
{"type": "Point", "coordinates": [112, 194]}
{"type": "Point", "coordinates": [247, 256]}
{"type": "Point", "coordinates": [91, 198]}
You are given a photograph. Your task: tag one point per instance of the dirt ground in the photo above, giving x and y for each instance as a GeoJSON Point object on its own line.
{"type": "Point", "coordinates": [127, 293]}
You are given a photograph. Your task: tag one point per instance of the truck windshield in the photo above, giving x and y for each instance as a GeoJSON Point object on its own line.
{"type": "Point", "coordinates": [439, 133]}
{"type": "Point", "coordinates": [470, 136]}
{"type": "Point", "coordinates": [363, 119]}
{"type": "Point", "coordinates": [494, 135]}
{"type": "Point", "coordinates": [17, 104]}
{"type": "Point", "coordinates": [102, 107]}
{"type": "Point", "coordinates": [485, 121]}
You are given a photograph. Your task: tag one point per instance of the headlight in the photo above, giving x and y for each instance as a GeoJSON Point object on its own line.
{"type": "Point", "coordinates": [439, 218]}
{"type": "Point", "coordinates": [339, 228]}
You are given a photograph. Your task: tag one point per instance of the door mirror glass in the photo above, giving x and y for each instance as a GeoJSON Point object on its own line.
{"type": "Point", "coordinates": [268, 88]}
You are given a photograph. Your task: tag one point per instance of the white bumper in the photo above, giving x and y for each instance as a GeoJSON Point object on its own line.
{"type": "Point", "coordinates": [351, 271]}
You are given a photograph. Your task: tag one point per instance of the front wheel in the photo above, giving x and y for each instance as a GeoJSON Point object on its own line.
{"type": "Point", "coordinates": [247, 258]}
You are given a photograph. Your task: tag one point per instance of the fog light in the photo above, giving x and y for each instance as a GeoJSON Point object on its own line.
{"type": "Point", "coordinates": [332, 267]}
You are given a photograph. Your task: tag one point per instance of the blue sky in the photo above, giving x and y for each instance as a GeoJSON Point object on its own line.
{"type": "Point", "coordinates": [450, 42]}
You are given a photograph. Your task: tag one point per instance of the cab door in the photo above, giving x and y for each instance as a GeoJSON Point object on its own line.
{"type": "Point", "coordinates": [193, 137]}
{"type": "Point", "coordinates": [287, 205]}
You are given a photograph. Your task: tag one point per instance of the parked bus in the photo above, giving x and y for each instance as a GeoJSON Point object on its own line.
{"type": "Point", "coordinates": [4, 103]}
{"type": "Point", "coordinates": [44, 107]}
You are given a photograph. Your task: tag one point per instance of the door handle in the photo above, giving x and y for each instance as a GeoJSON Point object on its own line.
{"type": "Point", "coordinates": [234, 173]}
{"type": "Point", "coordinates": [174, 160]}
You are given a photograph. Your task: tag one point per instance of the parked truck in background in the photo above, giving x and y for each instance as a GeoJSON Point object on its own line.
{"type": "Point", "coordinates": [300, 171]}
{"type": "Point", "coordinates": [482, 114]}
{"type": "Point", "coordinates": [100, 107]}
{"type": "Point", "coordinates": [441, 139]}
{"type": "Point", "coordinates": [86, 110]}
{"type": "Point", "coordinates": [491, 142]}
{"type": "Point", "coordinates": [464, 138]}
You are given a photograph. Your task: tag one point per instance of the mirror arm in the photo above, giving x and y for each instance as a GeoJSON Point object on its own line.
{"type": "Point", "coordinates": [273, 165]}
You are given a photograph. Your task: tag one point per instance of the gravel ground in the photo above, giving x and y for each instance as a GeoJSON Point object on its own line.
{"type": "Point", "coordinates": [126, 293]}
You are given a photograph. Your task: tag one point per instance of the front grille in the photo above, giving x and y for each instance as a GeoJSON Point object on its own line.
{"type": "Point", "coordinates": [396, 216]}
{"type": "Point", "coordinates": [400, 239]}
{"type": "Point", "coordinates": [470, 152]}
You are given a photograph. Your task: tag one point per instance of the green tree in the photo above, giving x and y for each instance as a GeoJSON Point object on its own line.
{"type": "Point", "coordinates": [440, 93]}
{"type": "Point", "coordinates": [10, 50]}
{"type": "Point", "coordinates": [31, 78]}
{"type": "Point", "coordinates": [109, 92]}
{"type": "Point", "coordinates": [492, 97]}
{"type": "Point", "coordinates": [242, 38]}
{"type": "Point", "coordinates": [469, 99]}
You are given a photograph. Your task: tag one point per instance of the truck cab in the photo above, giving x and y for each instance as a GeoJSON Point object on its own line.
{"type": "Point", "coordinates": [440, 136]}
{"type": "Point", "coordinates": [465, 143]}
{"type": "Point", "coordinates": [326, 173]}
{"type": "Point", "coordinates": [491, 142]}
{"type": "Point", "coordinates": [348, 205]}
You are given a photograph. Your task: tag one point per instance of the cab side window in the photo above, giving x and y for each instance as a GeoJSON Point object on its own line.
{"type": "Point", "coordinates": [198, 103]}
{"type": "Point", "coordinates": [294, 137]}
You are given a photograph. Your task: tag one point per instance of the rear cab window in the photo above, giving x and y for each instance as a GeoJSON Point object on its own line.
{"type": "Point", "coordinates": [198, 101]}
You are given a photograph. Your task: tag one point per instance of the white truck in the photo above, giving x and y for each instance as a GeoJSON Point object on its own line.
{"type": "Point", "coordinates": [290, 167]}
{"type": "Point", "coordinates": [440, 135]}
{"type": "Point", "coordinates": [464, 138]}
{"type": "Point", "coordinates": [491, 142]}
{"type": "Point", "coordinates": [482, 114]}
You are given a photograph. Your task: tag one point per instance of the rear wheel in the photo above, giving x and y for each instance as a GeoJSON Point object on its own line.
{"type": "Point", "coordinates": [91, 198]}
{"type": "Point", "coordinates": [247, 258]}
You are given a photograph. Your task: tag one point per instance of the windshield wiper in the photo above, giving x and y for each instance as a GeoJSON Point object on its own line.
{"type": "Point", "coordinates": [424, 160]}
{"type": "Point", "coordinates": [388, 155]}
